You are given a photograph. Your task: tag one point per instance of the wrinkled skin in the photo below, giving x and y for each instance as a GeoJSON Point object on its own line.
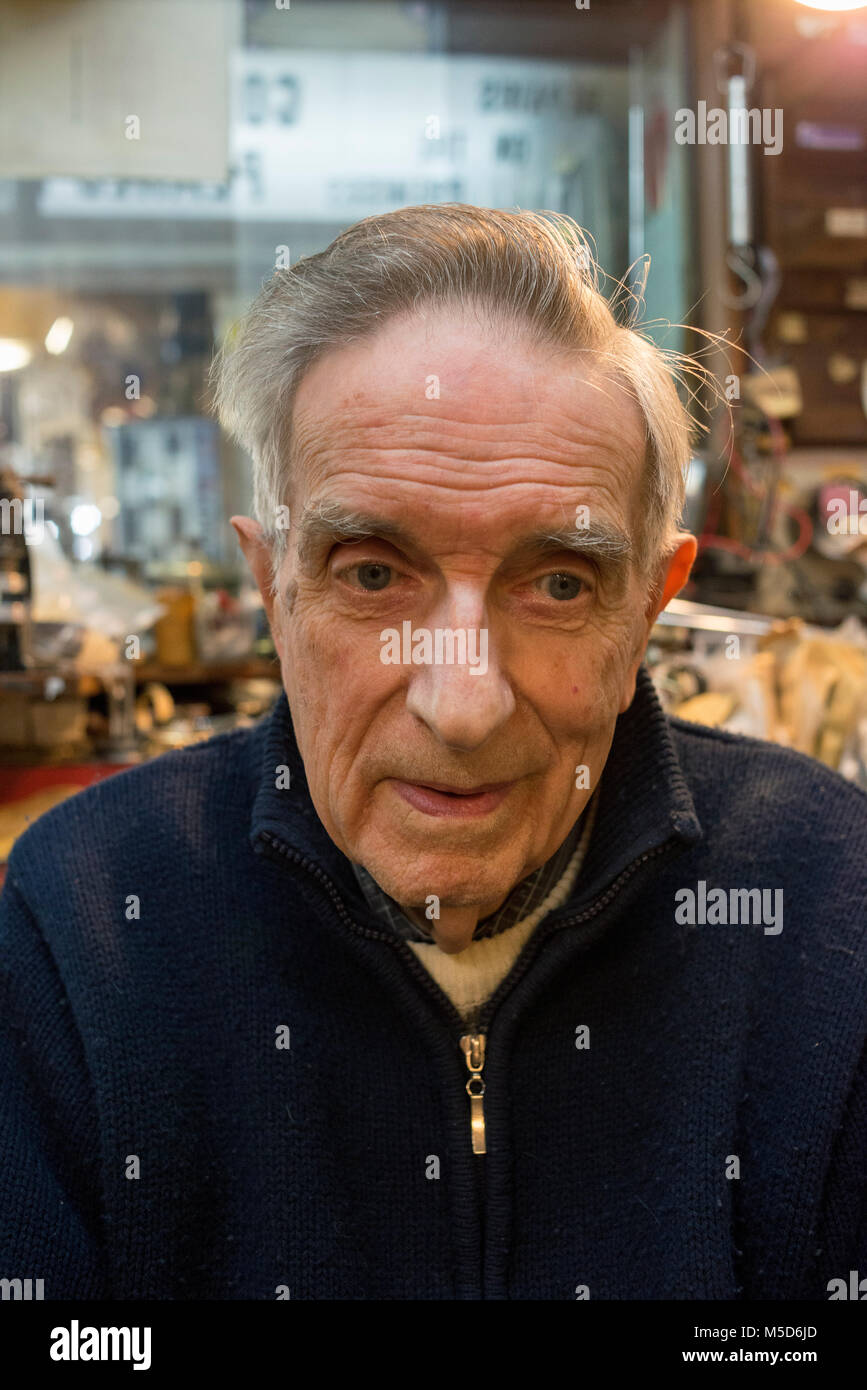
{"type": "Point", "coordinates": [518, 438]}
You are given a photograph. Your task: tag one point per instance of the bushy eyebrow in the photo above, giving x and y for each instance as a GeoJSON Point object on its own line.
{"type": "Point", "coordinates": [600, 542]}
{"type": "Point", "coordinates": [329, 521]}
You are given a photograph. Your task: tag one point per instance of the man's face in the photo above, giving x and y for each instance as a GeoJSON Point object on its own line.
{"type": "Point", "coordinates": [459, 446]}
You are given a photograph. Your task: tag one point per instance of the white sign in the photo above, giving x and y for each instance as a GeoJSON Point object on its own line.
{"type": "Point", "coordinates": [335, 137]}
{"type": "Point", "coordinates": [100, 89]}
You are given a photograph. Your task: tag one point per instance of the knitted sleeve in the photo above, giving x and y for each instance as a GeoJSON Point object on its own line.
{"type": "Point", "coordinates": [49, 1136]}
{"type": "Point", "coordinates": [841, 1251]}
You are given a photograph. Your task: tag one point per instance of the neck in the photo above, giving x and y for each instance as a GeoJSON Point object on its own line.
{"type": "Point", "coordinates": [453, 929]}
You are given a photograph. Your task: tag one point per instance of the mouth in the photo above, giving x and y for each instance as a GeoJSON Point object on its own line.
{"type": "Point", "coordinates": [439, 799]}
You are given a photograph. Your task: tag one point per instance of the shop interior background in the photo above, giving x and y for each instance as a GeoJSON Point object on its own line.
{"type": "Point", "coordinates": [157, 161]}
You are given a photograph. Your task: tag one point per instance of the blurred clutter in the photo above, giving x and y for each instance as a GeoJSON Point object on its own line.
{"type": "Point", "coordinates": [780, 680]}
{"type": "Point", "coordinates": [128, 623]}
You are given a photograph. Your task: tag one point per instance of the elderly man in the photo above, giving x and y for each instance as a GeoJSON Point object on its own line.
{"type": "Point", "coordinates": [466, 973]}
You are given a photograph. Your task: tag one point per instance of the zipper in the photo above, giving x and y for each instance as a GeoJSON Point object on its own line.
{"type": "Point", "coordinates": [473, 1045]}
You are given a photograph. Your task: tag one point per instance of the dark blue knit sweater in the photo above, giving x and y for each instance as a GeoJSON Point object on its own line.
{"type": "Point", "coordinates": [710, 1142]}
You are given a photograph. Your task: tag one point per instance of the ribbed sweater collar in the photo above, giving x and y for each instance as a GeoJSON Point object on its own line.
{"type": "Point", "coordinates": [644, 800]}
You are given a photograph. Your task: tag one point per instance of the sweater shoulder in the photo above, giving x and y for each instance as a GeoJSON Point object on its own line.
{"type": "Point", "coordinates": [775, 796]}
{"type": "Point", "coordinates": [755, 759]}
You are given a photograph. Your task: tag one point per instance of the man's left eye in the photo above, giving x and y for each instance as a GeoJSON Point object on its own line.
{"type": "Point", "coordinates": [372, 576]}
{"type": "Point", "coordinates": [562, 585]}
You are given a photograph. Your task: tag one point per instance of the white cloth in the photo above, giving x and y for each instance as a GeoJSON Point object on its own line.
{"type": "Point", "coordinates": [470, 977]}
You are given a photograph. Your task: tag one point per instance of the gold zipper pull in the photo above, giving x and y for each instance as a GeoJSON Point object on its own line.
{"type": "Point", "coordinates": [473, 1046]}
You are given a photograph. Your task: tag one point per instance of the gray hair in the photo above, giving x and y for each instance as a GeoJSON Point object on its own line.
{"type": "Point", "coordinates": [532, 272]}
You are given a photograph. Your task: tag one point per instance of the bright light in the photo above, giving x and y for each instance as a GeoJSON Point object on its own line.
{"type": "Point", "coordinates": [58, 336]}
{"type": "Point", "coordinates": [833, 4]}
{"type": "Point", "coordinates": [13, 354]}
{"type": "Point", "coordinates": [84, 518]}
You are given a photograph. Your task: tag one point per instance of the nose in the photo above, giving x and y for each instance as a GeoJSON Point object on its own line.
{"type": "Point", "coordinates": [462, 705]}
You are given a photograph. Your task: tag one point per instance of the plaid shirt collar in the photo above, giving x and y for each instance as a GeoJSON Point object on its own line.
{"type": "Point", "coordinates": [525, 897]}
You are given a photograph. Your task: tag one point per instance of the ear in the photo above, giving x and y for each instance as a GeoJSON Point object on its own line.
{"type": "Point", "coordinates": [675, 574]}
{"type": "Point", "coordinates": [251, 538]}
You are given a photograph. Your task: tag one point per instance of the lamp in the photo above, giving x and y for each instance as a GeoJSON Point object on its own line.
{"type": "Point", "coordinates": [833, 5]}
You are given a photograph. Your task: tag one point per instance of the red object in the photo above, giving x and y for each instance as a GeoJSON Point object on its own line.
{"type": "Point", "coordinates": [16, 783]}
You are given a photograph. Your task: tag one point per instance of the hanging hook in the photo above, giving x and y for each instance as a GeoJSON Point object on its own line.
{"type": "Point", "coordinates": [734, 59]}
{"type": "Point", "coordinates": [752, 282]}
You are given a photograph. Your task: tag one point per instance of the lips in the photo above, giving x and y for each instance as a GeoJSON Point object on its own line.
{"type": "Point", "coordinates": [442, 800]}
{"type": "Point", "coordinates": [459, 791]}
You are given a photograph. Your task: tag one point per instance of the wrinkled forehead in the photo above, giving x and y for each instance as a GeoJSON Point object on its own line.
{"type": "Point", "coordinates": [440, 408]}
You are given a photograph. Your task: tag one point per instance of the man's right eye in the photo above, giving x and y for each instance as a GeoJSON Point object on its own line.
{"type": "Point", "coordinates": [372, 575]}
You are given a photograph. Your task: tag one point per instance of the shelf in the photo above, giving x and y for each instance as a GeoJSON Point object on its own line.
{"type": "Point", "coordinates": [208, 672]}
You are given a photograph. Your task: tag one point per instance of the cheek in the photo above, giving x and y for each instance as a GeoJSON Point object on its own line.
{"type": "Point", "coordinates": [334, 681]}
{"type": "Point", "coordinates": [575, 686]}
